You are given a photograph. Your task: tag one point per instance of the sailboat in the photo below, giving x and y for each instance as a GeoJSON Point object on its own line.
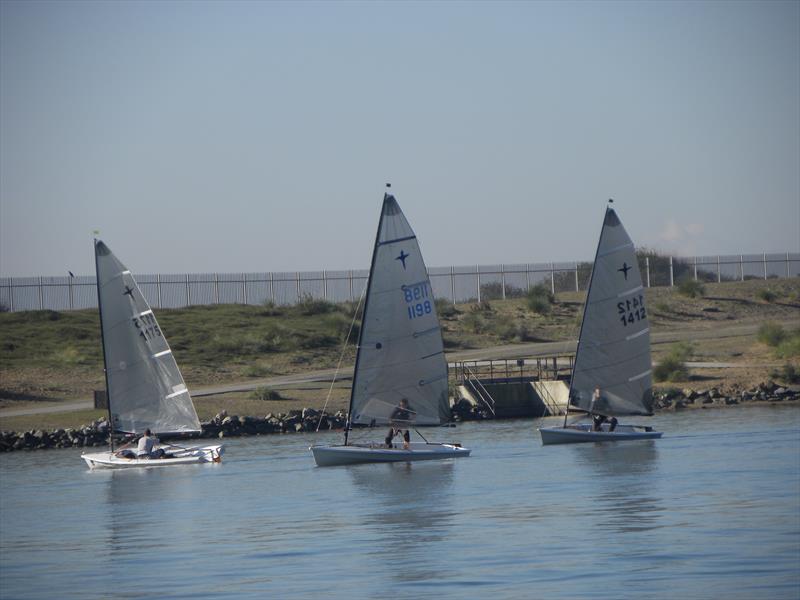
{"type": "Point", "coordinates": [400, 376]}
{"type": "Point", "coordinates": [144, 387]}
{"type": "Point", "coordinates": [612, 373]}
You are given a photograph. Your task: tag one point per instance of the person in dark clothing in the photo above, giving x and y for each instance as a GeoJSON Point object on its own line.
{"type": "Point", "coordinates": [401, 414]}
{"type": "Point", "coordinates": [598, 421]}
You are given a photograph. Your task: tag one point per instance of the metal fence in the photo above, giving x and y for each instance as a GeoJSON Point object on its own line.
{"type": "Point", "coordinates": [455, 284]}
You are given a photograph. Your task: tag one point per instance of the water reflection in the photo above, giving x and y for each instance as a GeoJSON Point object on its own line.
{"type": "Point", "coordinates": [411, 508]}
{"type": "Point", "coordinates": [146, 511]}
{"type": "Point", "coordinates": [624, 478]}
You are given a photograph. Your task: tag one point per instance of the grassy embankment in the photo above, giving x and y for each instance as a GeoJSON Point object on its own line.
{"type": "Point", "coordinates": [48, 356]}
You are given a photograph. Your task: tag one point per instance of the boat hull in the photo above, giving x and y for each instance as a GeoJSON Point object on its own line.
{"type": "Point", "coordinates": [329, 456]}
{"type": "Point", "coordinates": [576, 434]}
{"type": "Point", "coordinates": [184, 456]}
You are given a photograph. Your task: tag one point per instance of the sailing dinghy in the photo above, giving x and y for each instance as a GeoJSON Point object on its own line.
{"type": "Point", "coordinates": [144, 387]}
{"type": "Point", "coordinates": [400, 377]}
{"type": "Point", "coordinates": [612, 373]}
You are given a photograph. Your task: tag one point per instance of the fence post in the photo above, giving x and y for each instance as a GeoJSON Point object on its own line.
{"type": "Point", "coordinates": [11, 287]}
{"type": "Point", "coordinates": [503, 280]}
{"type": "Point", "coordinates": [158, 288]}
{"type": "Point", "coordinates": [478, 279]}
{"type": "Point", "coordinates": [577, 288]}
{"type": "Point", "coordinates": [216, 288]}
{"type": "Point", "coordinates": [350, 277]}
{"type": "Point", "coordinates": [765, 266]}
{"type": "Point", "coordinates": [553, 278]}
{"type": "Point", "coordinates": [41, 294]}
{"type": "Point", "coordinates": [244, 287]}
{"type": "Point", "coordinates": [325, 285]}
{"type": "Point", "coordinates": [671, 274]}
{"type": "Point", "coordinates": [741, 266]}
{"type": "Point", "coordinates": [695, 268]}
{"type": "Point", "coordinates": [188, 292]}
{"type": "Point", "coordinates": [453, 284]}
{"type": "Point", "coordinates": [272, 287]}
{"type": "Point", "coordinates": [787, 267]}
{"type": "Point", "coordinates": [719, 271]}
{"type": "Point", "coordinates": [527, 278]}
{"type": "Point", "coordinates": [647, 269]}
{"type": "Point", "coordinates": [70, 293]}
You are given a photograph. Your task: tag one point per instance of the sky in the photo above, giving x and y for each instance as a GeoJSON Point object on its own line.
{"type": "Point", "coordinates": [258, 136]}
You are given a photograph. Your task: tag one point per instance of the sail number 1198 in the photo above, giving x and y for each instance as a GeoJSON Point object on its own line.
{"type": "Point", "coordinates": [417, 299]}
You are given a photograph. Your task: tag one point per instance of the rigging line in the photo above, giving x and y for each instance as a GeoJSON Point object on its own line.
{"type": "Point", "coordinates": [420, 435]}
{"type": "Point", "coordinates": [341, 357]}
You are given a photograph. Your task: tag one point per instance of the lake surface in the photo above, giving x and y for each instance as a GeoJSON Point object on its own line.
{"type": "Point", "coordinates": [712, 510]}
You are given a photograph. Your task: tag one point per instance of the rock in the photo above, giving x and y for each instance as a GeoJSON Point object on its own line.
{"type": "Point", "coordinates": [689, 394]}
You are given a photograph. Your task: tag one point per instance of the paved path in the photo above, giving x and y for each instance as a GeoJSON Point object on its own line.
{"type": "Point", "coordinates": [496, 353]}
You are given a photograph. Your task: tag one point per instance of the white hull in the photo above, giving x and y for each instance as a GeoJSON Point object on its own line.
{"type": "Point", "coordinates": [329, 456]}
{"type": "Point", "coordinates": [575, 434]}
{"type": "Point", "coordinates": [183, 456]}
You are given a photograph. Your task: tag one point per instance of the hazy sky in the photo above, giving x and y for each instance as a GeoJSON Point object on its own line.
{"type": "Point", "coordinates": [258, 136]}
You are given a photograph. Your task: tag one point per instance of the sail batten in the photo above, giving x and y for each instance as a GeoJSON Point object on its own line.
{"type": "Point", "coordinates": [145, 387]}
{"type": "Point", "coordinates": [400, 355]}
{"type": "Point", "coordinates": [614, 348]}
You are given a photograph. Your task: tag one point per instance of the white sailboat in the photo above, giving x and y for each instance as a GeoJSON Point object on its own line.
{"type": "Point", "coordinates": [144, 387]}
{"type": "Point", "coordinates": [400, 377]}
{"type": "Point", "coordinates": [612, 374]}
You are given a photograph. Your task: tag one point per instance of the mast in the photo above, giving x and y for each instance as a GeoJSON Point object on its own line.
{"type": "Point", "coordinates": [583, 317]}
{"type": "Point", "coordinates": [364, 317]}
{"type": "Point", "coordinates": [103, 342]}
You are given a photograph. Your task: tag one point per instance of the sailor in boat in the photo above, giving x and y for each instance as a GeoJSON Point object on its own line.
{"type": "Point", "coordinates": [146, 444]}
{"type": "Point", "coordinates": [401, 414]}
{"type": "Point", "coordinates": [598, 419]}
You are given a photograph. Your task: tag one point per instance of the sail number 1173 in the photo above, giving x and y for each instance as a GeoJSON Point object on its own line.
{"type": "Point", "coordinates": [417, 299]}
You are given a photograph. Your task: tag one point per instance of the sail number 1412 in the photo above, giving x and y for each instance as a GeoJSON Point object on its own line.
{"type": "Point", "coordinates": [631, 311]}
{"type": "Point", "coordinates": [417, 300]}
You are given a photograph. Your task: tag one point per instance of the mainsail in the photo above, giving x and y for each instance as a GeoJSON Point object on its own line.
{"type": "Point", "coordinates": [614, 345]}
{"type": "Point", "coordinates": [400, 351]}
{"type": "Point", "coordinates": [145, 386]}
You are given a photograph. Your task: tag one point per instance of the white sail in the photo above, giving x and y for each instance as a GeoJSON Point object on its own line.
{"type": "Point", "coordinates": [400, 352]}
{"type": "Point", "coordinates": [614, 346]}
{"type": "Point", "coordinates": [145, 386]}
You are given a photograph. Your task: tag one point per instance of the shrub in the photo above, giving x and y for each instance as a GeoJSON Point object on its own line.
{"type": "Point", "coordinates": [3, 307]}
{"type": "Point", "coordinates": [771, 334]}
{"type": "Point", "coordinates": [505, 328]}
{"type": "Point", "coordinates": [540, 299]}
{"type": "Point", "coordinates": [672, 367]}
{"type": "Point", "coordinates": [256, 371]}
{"type": "Point", "coordinates": [474, 322]}
{"type": "Point", "coordinates": [662, 306]}
{"type": "Point", "coordinates": [318, 340]}
{"type": "Point", "coordinates": [481, 307]}
{"type": "Point", "coordinates": [265, 393]}
{"type": "Point", "coordinates": [309, 306]}
{"type": "Point", "coordinates": [270, 309]}
{"type": "Point", "coordinates": [445, 309]}
{"type": "Point", "coordinates": [790, 347]}
{"type": "Point", "coordinates": [692, 288]}
{"type": "Point", "coordinates": [787, 374]}
{"type": "Point", "coordinates": [767, 295]}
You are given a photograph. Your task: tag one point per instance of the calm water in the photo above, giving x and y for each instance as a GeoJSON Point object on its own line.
{"type": "Point", "coordinates": [712, 510]}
